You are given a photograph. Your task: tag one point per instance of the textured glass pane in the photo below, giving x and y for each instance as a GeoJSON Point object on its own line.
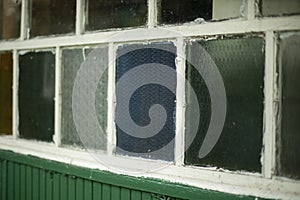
{"type": "Point", "coordinates": [6, 66]}
{"type": "Point", "coordinates": [227, 9]}
{"type": "Point", "coordinates": [10, 17]}
{"type": "Point", "coordinates": [241, 65]}
{"type": "Point", "coordinates": [161, 144]}
{"type": "Point", "coordinates": [71, 61]}
{"type": "Point", "coordinates": [279, 7]}
{"type": "Point", "coordinates": [36, 95]}
{"type": "Point", "coordinates": [288, 148]}
{"type": "Point", "coordinates": [178, 11]}
{"type": "Point", "coordinates": [50, 17]}
{"type": "Point", "coordinates": [105, 14]}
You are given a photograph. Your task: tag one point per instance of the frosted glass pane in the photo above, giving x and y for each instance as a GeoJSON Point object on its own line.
{"type": "Point", "coordinates": [36, 95]}
{"type": "Point", "coordinates": [280, 7]}
{"type": "Point", "coordinates": [71, 61]}
{"type": "Point", "coordinates": [288, 148]}
{"type": "Point", "coordinates": [227, 9]}
{"type": "Point", "coordinates": [241, 65]}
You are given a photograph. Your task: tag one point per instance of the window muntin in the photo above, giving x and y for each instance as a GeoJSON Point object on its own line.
{"type": "Point", "coordinates": [36, 95]}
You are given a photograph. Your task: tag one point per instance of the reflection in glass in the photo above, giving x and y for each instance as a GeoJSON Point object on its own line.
{"type": "Point", "coordinates": [105, 14]}
{"type": "Point", "coordinates": [288, 148]}
{"type": "Point", "coordinates": [6, 69]}
{"type": "Point", "coordinates": [36, 95]}
{"type": "Point", "coordinates": [241, 64]}
{"type": "Point", "coordinates": [10, 17]}
{"type": "Point", "coordinates": [50, 17]}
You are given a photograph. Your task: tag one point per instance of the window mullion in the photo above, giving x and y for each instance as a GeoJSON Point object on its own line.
{"type": "Point", "coordinates": [180, 102]}
{"type": "Point", "coordinates": [15, 88]}
{"type": "Point", "coordinates": [270, 91]}
{"type": "Point", "coordinates": [57, 106]}
{"type": "Point", "coordinates": [152, 13]}
{"type": "Point", "coordinates": [80, 16]}
{"type": "Point", "coordinates": [111, 101]}
{"type": "Point", "coordinates": [24, 20]}
{"type": "Point", "coordinates": [250, 9]}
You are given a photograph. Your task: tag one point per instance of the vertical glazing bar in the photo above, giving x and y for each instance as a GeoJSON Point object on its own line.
{"type": "Point", "coordinates": [180, 102]}
{"type": "Point", "coordinates": [152, 13]}
{"type": "Point", "coordinates": [24, 30]}
{"type": "Point", "coordinates": [111, 101]}
{"type": "Point", "coordinates": [57, 111]}
{"type": "Point", "coordinates": [250, 9]}
{"type": "Point", "coordinates": [80, 16]}
{"type": "Point", "coordinates": [15, 108]}
{"type": "Point", "coordinates": [270, 91]}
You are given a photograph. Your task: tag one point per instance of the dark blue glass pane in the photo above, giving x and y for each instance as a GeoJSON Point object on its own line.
{"type": "Point", "coordinates": [130, 57]}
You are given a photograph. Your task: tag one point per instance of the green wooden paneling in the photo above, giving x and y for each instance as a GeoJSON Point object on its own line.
{"type": "Point", "coordinates": [28, 177]}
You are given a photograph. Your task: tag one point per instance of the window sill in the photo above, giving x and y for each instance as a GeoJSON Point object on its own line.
{"type": "Point", "coordinates": [241, 183]}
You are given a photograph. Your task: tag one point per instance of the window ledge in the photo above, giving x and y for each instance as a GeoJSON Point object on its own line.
{"type": "Point", "coordinates": [241, 183]}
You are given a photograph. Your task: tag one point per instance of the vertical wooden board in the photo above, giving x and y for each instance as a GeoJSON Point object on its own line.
{"type": "Point", "coordinates": [79, 189]}
{"type": "Point", "coordinates": [4, 179]}
{"type": "Point", "coordinates": [10, 180]}
{"type": "Point", "coordinates": [63, 187]}
{"type": "Point", "coordinates": [125, 194]}
{"type": "Point", "coordinates": [105, 192]}
{"type": "Point", "coordinates": [49, 185]}
{"type": "Point", "coordinates": [71, 187]}
{"type": "Point", "coordinates": [28, 182]}
{"type": "Point", "coordinates": [146, 196]}
{"type": "Point", "coordinates": [56, 185]}
{"type": "Point", "coordinates": [35, 183]}
{"type": "Point", "coordinates": [88, 192]}
{"type": "Point", "coordinates": [42, 184]}
{"type": "Point", "coordinates": [136, 195]}
{"type": "Point", "coordinates": [115, 193]}
{"type": "Point", "coordinates": [97, 190]}
{"type": "Point", "coordinates": [22, 181]}
{"type": "Point", "coordinates": [17, 181]}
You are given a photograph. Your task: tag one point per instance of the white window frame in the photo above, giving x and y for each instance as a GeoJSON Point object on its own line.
{"type": "Point", "coordinates": [265, 184]}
